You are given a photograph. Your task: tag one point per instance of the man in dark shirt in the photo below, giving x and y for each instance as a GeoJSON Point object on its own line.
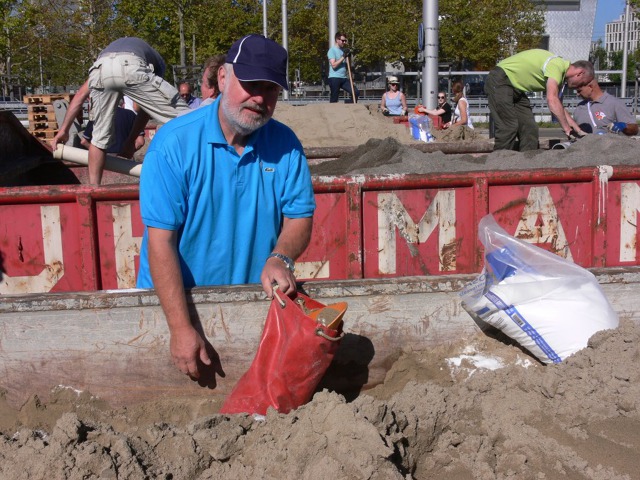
{"type": "Point", "coordinates": [124, 122]}
{"type": "Point", "coordinates": [442, 110]}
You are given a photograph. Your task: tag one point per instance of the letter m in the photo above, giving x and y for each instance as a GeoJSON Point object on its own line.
{"type": "Point", "coordinates": [392, 215]}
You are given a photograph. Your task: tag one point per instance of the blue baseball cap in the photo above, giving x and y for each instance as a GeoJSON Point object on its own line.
{"type": "Point", "coordinates": [256, 58]}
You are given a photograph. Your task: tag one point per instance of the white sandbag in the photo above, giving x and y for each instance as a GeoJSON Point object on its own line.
{"type": "Point", "coordinates": [547, 304]}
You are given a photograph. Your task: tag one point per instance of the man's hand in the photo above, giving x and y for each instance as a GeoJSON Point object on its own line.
{"type": "Point", "coordinates": [580, 133]}
{"type": "Point", "coordinates": [275, 271]}
{"type": "Point", "coordinates": [61, 137]}
{"type": "Point", "coordinates": [346, 52]}
{"type": "Point", "coordinates": [187, 347]}
{"type": "Point", "coordinates": [617, 127]}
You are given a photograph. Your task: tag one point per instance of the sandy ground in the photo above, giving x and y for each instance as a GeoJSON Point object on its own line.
{"type": "Point", "coordinates": [482, 409]}
{"type": "Point", "coordinates": [478, 410]}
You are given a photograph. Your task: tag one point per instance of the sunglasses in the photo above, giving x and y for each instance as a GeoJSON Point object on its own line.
{"type": "Point", "coordinates": [343, 40]}
{"type": "Point", "coordinates": [440, 98]}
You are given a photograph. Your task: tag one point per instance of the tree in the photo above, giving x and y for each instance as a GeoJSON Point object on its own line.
{"type": "Point", "coordinates": [68, 34]}
{"type": "Point", "coordinates": [615, 63]}
{"type": "Point", "coordinates": [483, 33]}
{"type": "Point", "coordinates": [598, 56]}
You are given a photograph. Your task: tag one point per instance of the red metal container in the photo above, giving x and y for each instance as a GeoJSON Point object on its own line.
{"type": "Point", "coordinates": [80, 238]}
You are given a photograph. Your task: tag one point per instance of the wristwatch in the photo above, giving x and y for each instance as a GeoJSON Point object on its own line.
{"type": "Point", "coordinates": [287, 261]}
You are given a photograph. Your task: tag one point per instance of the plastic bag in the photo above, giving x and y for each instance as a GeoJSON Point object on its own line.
{"type": "Point", "coordinates": [421, 128]}
{"type": "Point", "coordinates": [299, 341]}
{"type": "Point", "coordinates": [549, 305]}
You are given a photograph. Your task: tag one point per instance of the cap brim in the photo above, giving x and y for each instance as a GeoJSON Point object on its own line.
{"type": "Point", "coordinates": [250, 73]}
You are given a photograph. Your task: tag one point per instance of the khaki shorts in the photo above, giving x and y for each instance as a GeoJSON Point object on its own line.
{"type": "Point", "coordinates": [116, 74]}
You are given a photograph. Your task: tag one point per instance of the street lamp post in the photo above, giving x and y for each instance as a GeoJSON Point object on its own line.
{"type": "Point", "coordinates": [625, 48]}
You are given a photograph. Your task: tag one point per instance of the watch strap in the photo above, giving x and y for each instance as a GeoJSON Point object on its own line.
{"type": "Point", "coordinates": [287, 261]}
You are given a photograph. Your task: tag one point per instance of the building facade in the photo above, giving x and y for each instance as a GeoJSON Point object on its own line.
{"type": "Point", "coordinates": [569, 27]}
{"type": "Point", "coordinates": [614, 34]}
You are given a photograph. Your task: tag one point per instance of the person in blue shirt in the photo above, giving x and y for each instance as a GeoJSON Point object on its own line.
{"type": "Point", "coordinates": [225, 196]}
{"type": "Point", "coordinates": [338, 56]}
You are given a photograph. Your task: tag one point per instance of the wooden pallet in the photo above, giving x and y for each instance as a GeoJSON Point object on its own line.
{"type": "Point", "coordinates": [41, 112]}
{"type": "Point", "coordinates": [47, 98]}
{"type": "Point", "coordinates": [43, 126]}
{"type": "Point", "coordinates": [42, 108]}
{"type": "Point", "coordinates": [44, 134]}
{"type": "Point", "coordinates": [45, 116]}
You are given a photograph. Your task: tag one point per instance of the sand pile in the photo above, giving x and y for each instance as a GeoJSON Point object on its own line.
{"type": "Point", "coordinates": [388, 156]}
{"type": "Point", "coordinates": [482, 410]}
{"type": "Point", "coordinates": [339, 124]}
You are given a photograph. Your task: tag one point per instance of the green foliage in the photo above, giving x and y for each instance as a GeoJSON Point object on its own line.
{"type": "Point", "coordinates": [598, 56]}
{"type": "Point", "coordinates": [615, 63]}
{"type": "Point", "coordinates": [482, 33]}
{"type": "Point", "coordinates": [68, 34]}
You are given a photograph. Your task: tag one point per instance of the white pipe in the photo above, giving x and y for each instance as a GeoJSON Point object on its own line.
{"type": "Point", "coordinates": [112, 163]}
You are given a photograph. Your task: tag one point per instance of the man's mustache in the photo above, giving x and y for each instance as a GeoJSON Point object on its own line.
{"type": "Point", "coordinates": [256, 108]}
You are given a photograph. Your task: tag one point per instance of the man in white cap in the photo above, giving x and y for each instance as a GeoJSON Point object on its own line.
{"type": "Point", "coordinates": [225, 196]}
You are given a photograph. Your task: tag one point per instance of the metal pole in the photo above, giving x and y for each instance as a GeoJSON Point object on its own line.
{"type": "Point", "coordinates": [40, 62]}
{"type": "Point", "coordinates": [625, 48]}
{"type": "Point", "coordinates": [285, 44]}
{"type": "Point", "coordinates": [430, 68]}
{"type": "Point", "coordinates": [264, 17]}
{"type": "Point", "coordinates": [333, 21]}
{"type": "Point", "coordinates": [635, 97]}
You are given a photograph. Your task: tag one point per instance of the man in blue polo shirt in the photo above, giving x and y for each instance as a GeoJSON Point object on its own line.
{"type": "Point", "coordinates": [225, 195]}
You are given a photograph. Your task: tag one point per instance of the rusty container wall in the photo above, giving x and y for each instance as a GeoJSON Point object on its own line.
{"type": "Point", "coordinates": [115, 345]}
{"type": "Point", "coordinates": [81, 238]}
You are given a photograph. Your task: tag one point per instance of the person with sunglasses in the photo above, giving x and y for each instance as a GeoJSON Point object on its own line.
{"type": "Point", "coordinates": [534, 70]}
{"type": "Point", "coordinates": [393, 102]}
{"type": "Point", "coordinates": [601, 113]}
{"type": "Point", "coordinates": [442, 110]}
{"type": "Point", "coordinates": [338, 56]}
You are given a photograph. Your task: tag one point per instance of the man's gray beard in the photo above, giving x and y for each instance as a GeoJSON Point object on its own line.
{"type": "Point", "coordinates": [241, 127]}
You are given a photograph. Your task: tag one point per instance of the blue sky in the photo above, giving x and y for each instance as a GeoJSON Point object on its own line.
{"type": "Point", "coordinates": [606, 11]}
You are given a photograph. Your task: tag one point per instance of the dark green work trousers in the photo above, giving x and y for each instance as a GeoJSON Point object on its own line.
{"type": "Point", "coordinates": [511, 113]}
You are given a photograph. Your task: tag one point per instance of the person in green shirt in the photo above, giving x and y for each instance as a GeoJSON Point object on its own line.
{"type": "Point", "coordinates": [533, 70]}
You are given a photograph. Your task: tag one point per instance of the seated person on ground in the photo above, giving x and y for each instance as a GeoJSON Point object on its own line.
{"type": "Point", "coordinates": [442, 110]}
{"type": "Point", "coordinates": [461, 116]}
{"type": "Point", "coordinates": [393, 102]}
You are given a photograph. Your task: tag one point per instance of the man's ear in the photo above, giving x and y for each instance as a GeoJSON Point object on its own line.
{"type": "Point", "coordinates": [222, 78]}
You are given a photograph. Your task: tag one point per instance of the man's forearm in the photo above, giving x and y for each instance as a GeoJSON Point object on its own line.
{"type": "Point", "coordinates": [167, 280]}
{"type": "Point", "coordinates": [556, 108]}
{"type": "Point", "coordinates": [294, 237]}
{"type": "Point", "coordinates": [75, 107]}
